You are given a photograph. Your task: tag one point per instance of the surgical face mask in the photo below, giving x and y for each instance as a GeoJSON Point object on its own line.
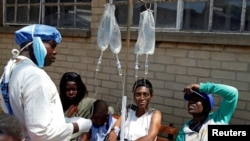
{"type": "Point", "coordinates": [40, 51]}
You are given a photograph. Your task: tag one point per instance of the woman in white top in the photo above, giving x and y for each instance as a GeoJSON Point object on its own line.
{"type": "Point", "coordinates": [142, 122]}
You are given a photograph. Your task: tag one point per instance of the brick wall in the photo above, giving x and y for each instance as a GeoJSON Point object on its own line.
{"type": "Point", "coordinates": [171, 67]}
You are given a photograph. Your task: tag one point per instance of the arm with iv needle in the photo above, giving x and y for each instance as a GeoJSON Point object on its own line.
{"type": "Point", "coordinates": [119, 124]}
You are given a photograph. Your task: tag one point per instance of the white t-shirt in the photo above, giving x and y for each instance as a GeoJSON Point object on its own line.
{"type": "Point", "coordinates": [136, 127]}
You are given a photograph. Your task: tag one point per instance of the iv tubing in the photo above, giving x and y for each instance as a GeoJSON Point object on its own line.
{"type": "Point", "coordinates": [119, 67]}
{"type": "Point", "coordinates": [130, 9]}
{"type": "Point", "coordinates": [96, 71]}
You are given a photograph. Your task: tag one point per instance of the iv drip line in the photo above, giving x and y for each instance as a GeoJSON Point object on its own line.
{"type": "Point", "coordinates": [99, 61]}
{"type": "Point", "coordinates": [119, 67]}
{"type": "Point", "coordinates": [146, 66]}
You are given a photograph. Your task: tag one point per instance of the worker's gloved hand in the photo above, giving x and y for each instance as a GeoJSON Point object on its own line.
{"type": "Point", "coordinates": [84, 124]}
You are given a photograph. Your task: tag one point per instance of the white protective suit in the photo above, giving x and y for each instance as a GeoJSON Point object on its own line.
{"type": "Point", "coordinates": [35, 102]}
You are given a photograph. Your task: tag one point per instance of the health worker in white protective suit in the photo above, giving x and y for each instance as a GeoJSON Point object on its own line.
{"type": "Point", "coordinates": [28, 93]}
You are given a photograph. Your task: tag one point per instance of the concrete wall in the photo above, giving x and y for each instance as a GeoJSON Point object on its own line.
{"type": "Point", "coordinates": [171, 67]}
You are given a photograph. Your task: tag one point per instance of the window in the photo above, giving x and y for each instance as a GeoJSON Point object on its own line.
{"type": "Point", "coordinates": [59, 13]}
{"type": "Point", "coordinates": [196, 15]}
{"type": "Point", "coordinates": [247, 17]}
{"type": "Point", "coordinates": [190, 15]}
{"type": "Point", "coordinates": [227, 15]}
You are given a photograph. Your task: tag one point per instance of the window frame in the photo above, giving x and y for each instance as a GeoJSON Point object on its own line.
{"type": "Point", "coordinates": [41, 19]}
{"type": "Point", "coordinates": [206, 37]}
{"type": "Point", "coordinates": [163, 34]}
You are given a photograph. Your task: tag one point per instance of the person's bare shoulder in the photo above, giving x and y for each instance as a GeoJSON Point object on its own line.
{"type": "Point", "coordinates": [157, 113]}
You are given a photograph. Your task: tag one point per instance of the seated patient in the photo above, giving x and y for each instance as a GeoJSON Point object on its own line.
{"type": "Point", "coordinates": [102, 122]}
{"type": "Point", "coordinates": [10, 128]}
{"type": "Point", "coordinates": [142, 122]}
{"type": "Point", "coordinates": [74, 97]}
{"type": "Point", "coordinates": [200, 104]}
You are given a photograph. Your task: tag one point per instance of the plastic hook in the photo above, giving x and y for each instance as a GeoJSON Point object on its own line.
{"type": "Point", "coordinates": [146, 5]}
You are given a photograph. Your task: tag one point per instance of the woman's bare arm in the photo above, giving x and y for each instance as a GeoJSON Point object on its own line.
{"type": "Point", "coordinates": [154, 128]}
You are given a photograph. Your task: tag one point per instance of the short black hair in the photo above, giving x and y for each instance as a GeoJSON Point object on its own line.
{"type": "Point", "coordinates": [10, 126]}
{"type": "Point", "coordinates": [143, 82]}
{"type": "Point", "coordinates": [100, 106]}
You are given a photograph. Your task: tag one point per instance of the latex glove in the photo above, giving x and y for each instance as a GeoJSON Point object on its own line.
{"type": "Point", "coordinates": [84, 124]}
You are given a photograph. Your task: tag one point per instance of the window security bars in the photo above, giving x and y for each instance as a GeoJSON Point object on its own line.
{"type": "Point", "coordinates": [59, 13]}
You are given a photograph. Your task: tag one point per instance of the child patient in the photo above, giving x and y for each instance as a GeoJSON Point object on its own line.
{"type": "Point", "coordinates": [102, 122]}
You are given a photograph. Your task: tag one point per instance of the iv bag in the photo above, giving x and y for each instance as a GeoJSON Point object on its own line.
{"type": "Point", "coordinates": [146, 37]}
{"type": "Point", "coordinates": [115, 34]}
{"type": "Point", "coordinates": [104, 29]}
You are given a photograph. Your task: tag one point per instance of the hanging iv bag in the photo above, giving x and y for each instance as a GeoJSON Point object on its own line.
{"type": "Point", "coordinates": [115, 38]}
{"type": "Point", "coordinates": [104, 29]}
{"type": "Point", "coordinates": [146, 37]}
